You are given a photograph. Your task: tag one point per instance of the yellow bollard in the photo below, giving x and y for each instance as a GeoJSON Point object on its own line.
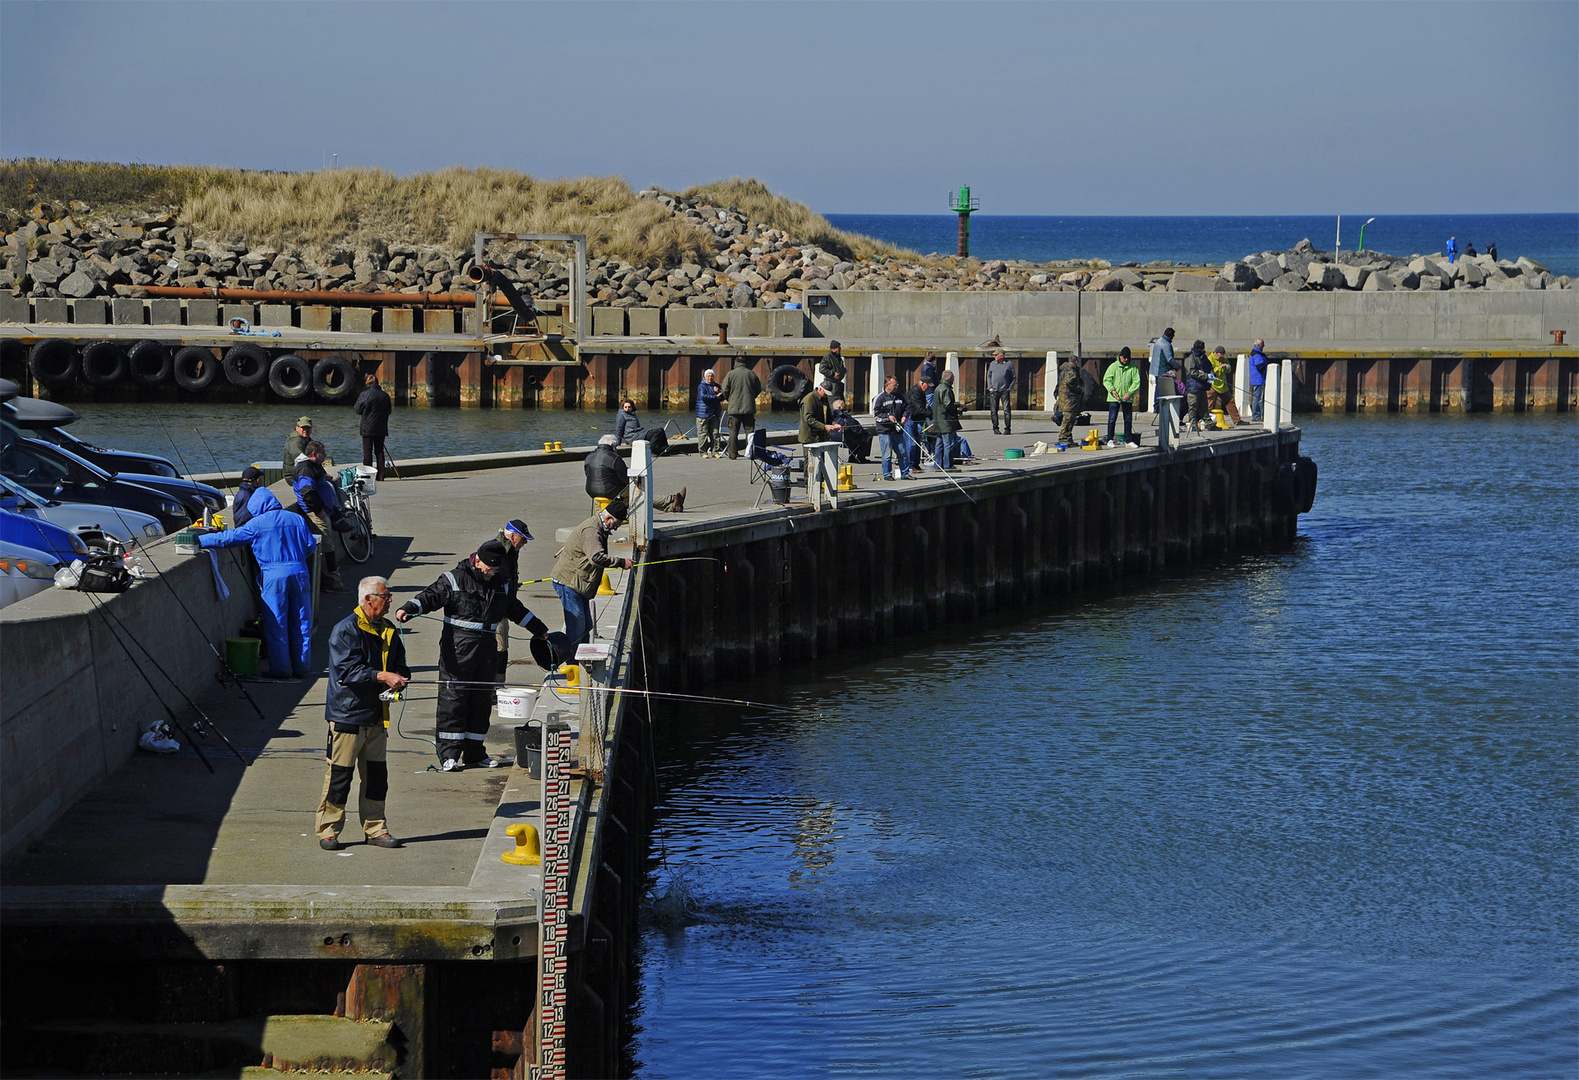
{"type": "Point", "coordinates": [528, 849]}
{"type": "Point", "coordinates": [572, 674]}
{"type": "Point", "coordinates": [1093, 440]}
{"type": "Point", "coordinates": [559, 447]}
{"type": "Point", "coordinates": [606, 588]}
{"type": "Point", "coordinates": [846, 477]}
{"type": "Point", "coordinates": [548, 447]}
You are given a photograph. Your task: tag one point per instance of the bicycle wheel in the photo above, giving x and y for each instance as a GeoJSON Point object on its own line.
{"type": "Point", "coordinates": [358, 539]}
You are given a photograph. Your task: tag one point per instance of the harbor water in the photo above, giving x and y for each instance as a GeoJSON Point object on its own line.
{"type": "Point", "coordinates": [1306, 815]}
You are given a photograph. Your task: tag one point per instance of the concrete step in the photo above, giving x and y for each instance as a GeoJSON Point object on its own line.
{"type": "Point", "coordinates": [268, 1044]}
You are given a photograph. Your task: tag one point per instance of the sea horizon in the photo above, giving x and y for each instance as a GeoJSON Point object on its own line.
{"type": "Point", "coordinates": [1550, 239]}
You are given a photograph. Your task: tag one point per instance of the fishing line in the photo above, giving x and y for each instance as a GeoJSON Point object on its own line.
{"type": "Point", "coordinates": [215, 459]}
{"type": "Point", "coordinates": [173, 446]}
{"type": "Point", "coordinates": [946, 476]}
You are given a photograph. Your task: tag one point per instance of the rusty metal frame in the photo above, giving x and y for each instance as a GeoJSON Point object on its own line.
{"type": "Point", "coordinates": [580, 309]}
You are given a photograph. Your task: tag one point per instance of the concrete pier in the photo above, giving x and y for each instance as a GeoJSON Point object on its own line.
{"type": "Point", "coordinates": [166, 885]}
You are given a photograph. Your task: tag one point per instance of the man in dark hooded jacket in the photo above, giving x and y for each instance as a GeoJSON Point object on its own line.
{"type": "Point", "coordinates": [374, 407]}
{"type": "Point", "coordinates": [473, 599]}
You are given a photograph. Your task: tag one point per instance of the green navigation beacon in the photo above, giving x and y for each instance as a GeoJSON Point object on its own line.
{"type": "Point", "coordinates": [962, 204]}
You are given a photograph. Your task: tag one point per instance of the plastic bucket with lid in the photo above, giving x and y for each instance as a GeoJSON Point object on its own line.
{"type": "Point", "coordinates": [368, 474]}
{"type": "Point", "coordinates": [241, 655]}
{"type": "Point", "coordinates": [1013, 454]}
{"type": "Point", "coordinates": [515, 702]}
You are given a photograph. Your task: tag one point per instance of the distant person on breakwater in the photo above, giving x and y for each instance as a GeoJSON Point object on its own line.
{"type": "Point", "coordinates": [740, 389]}
{"type": "Point", "coordinates": [366, 656]}
{"type": "Point", "coordinates": [627, 428]}
{"type": "Point", "coordinates": [832, 368]}
{"type": "Point", "coordinates": [608, 478]}
{"type": "Point", "coordinates": [1163, 367]}
{"type": "Point", "coordinates": [1491, 250]}
{"type": "Point", "coordinates": [1000, 391]}
{"type": "Point", "coordinates": [1469, 250]}
{"type": "Point", "coordinates": [296, 442]}
{"type": "Point", "coordinates": [579, 569]}
{"type": "Point", "coordinates": [1257, 378]}
{"type": "Point", "coordinates": [1221, 395]}
{"type": "Point", "coordinates": [890, 411]}
{"type": "Point", "coordinates": [918, 402]}
{"type": "Point", "coordinates": [857, 440]}
{"type": "Point", "coordinates": [1071, 394]}
{"type": "Point", "coordinates": [1123, 385]}
{"type": "Point", "coordinates": [374, 407]}
{"type": "Point", "coordinates": [1452, 249]}
{"type": "Point", "coordinates": [474, 599]}
{"type": "Point", "coordinates": [1197, 384]}
{"type": "Point", "coordinates": [709, 411]}
{"type": "Point", "coordinates": [816, 415]}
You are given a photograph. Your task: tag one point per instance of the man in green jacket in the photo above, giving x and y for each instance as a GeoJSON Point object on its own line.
{"type": "Point", "coordinates": [1123, 383]}
{"type": "Point", "coordinates": [739, 390]}
{"type": "Point", "coordinates": [579, 569]}
{"type": "Point", "coordinates": [832, 369]}
{"type": "Point", "coordinates": [943, 424]}
{"type": "Point", "coordinates": [816, 415]}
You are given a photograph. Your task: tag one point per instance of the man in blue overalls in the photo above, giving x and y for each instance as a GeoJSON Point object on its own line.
{"type": "Point", "coordinates": [281, 543]}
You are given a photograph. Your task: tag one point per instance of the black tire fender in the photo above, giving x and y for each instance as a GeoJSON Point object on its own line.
{"type": "Point", "coordinates": [247, 366]}
{"type": "Point", "coordinates": [195, 368]}
{"type": "Point", "coordinates": [104, 363]}
{"type": "Point", "coordinates": [149, 363]}
{"type": "Point", "coordinates": [1305, 469]}
{"type": "Point", "coordinates": [334, 378]}
{"type": "Point", "coordinates": [787, 384]}
{"type": "Point", "coordinates": [290, 377]}
{"type": "Point", "coordinates": [1285, 489]}
{"type": "Point", "coordinates": [55, 362]}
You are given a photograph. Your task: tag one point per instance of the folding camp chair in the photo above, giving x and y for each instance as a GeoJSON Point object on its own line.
{"type": "Point", "coordinates": [766, 460]}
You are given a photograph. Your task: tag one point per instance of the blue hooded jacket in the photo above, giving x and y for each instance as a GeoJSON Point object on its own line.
{"type": "Point", "coordinates": [708, 406]}
{"type": "Point", "coordinates": [280, 539]}
{"type": "Point", "coordinates": [1257, 367]}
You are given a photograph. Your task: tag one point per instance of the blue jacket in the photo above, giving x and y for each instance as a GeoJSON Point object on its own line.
{"type": "Point", "coordinates": [281, 540]}
{"type": "Point", "coordinates": [314, 492]}
{"type": "Point", "coordinates": [358, 651]}
{"type": "Point", "coordinates": [1257, 367]}
{"type": "Point", "coordinates": [1162, 361]}
{"type": "Point", "coordinates": [708, 405]}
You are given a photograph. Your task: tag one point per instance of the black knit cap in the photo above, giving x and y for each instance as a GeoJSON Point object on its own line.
{"type": "Point", "coordinates": [617, 510]}
{"type": "Point", "coordinates": [491, 554]}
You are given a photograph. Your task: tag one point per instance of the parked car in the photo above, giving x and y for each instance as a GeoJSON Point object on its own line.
{"type": "Point", "coordinates": [24, 571]}
{"type": "Point", "coordinates": [198, 498]}
{"type": "Point", "coordinates": [21, 531]}
{"type": "Point", "coordinates": [52, 473]}
{"type": "Point", "coordinates": [46, 420]}
{"type": "Point", "coordinates": [87, 520]}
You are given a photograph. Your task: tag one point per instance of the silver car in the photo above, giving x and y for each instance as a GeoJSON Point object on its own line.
{"type": "Point", "coordinates": [24, 571]}
{"type": "Point", "coordinates": [87, 520]}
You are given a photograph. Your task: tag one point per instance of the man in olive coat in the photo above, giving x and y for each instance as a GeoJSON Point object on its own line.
{"type": "Point", "coordinates": [943, 425]}
{"type": "Point", "coordinates": [816, 415]}
{"type": "Point", "coordinates": [739, 390]}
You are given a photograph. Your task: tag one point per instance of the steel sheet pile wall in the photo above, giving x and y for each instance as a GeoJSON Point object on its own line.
{"type": "Point", "coordinates": [801, 585]}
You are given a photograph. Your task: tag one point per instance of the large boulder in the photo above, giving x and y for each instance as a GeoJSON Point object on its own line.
{"type": "Point", "coordinates": [1469, 272]}
{"type": "Point", "coordinates": [1354, 276]}
{"type": "Point", "coordinates": [1324, 276]}
{"type": "Point", "coordinates": [1182, 282]}
{"type": "Point", "coordinates": [1377, 282]}
{"type": "Point", "coordinates": [1289, 282]}
{"type": "Point", "coordinates": [1238, 273]}
{"type": "Point", "coordinates": [1403, 277]}
{"type": "Point", "coordinates": [1130, 279]}
{"type": "Point", "coordinates": [79, 284]}
{"type": "Point", "coordinates": [1104, 282]}
{"type": "Point", "coordinates": [1267, 271]}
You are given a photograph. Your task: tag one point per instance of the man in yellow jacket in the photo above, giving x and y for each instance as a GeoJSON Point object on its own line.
{"type": "Point", "coordinates": [1123, 383]}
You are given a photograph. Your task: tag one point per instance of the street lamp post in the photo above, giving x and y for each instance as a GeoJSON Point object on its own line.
{"type": "Point", "coordinates": [1362, 235]}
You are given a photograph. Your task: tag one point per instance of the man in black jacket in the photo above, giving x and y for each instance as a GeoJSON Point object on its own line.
{"type": "Point", "coordinates": [920, 414]}
{"type": "Point", "coordinates": [366, 657]}
{"type": "Point", "coordinates": [374, 407]}
{"type": "Point", "coordinates": [473, 599]}
{"type": "Point", "coordinates": [890, 411]}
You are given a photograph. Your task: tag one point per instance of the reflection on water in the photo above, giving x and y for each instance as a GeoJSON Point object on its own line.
{"type": "Point", "coordinates": [1312, 814]}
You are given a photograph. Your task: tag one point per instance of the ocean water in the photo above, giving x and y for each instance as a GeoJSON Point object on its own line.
{"type": "Point", "coordinates": [1550, 239]}
{"type": "Point", "coordinates": [1313, 814]}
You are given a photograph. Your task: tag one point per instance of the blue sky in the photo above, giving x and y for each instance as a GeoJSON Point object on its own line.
{"type": "Point", "coordinates": [1044, 108]}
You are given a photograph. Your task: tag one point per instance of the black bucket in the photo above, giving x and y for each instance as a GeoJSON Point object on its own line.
{"type": "Point", "coordinates": [529, 748]}
{"type": "Point", "coordinates": [779, 484]}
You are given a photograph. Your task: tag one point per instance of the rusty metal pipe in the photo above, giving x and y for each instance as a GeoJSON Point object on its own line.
{"type": "Point", "coordinates": [184, 292]}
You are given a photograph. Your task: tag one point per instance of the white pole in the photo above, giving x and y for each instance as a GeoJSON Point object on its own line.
{"type": "Point", "coordinates": [1050, 381]}
{"type": "Point", "coordinates": [874, 383]}
{"type": "Point", "coordinates": [641, 472]}
{"type": "Point", "coordinates": [1272, 408]}
{"type": "Point", "coordinates": [1151, 392]}
{"type": "Point", "coordinates": [1242, 385]}
{"type": "Point", "coordinates": [951, 363]}
{"type": "Point", "coordinates": [1285, 394]}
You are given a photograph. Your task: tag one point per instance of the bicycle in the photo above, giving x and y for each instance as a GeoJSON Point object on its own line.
{"type": "Point", "coordinates": [358, 539]}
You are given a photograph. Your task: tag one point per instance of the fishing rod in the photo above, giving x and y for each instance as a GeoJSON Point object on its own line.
{"type": "Point", "coordinates": [616, 690]}
{"type": "Point", "coordinates": [100, 606]}
{"type": "Point", "coordinates": [171, 440]}
{"type": "Point", "coordinates": [946, 476]}
{"type": "Point", "coordinates": [207, 721]}
{"type": "Point", "coordinates": [214, 458]}
{"type": "Point", "coordinates": [201, 632]}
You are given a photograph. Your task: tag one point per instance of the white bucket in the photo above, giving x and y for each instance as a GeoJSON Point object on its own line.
{"type": "Point", "coordinates": [368, 474]}
{"type": "Point", "coordinates": [515, 702]}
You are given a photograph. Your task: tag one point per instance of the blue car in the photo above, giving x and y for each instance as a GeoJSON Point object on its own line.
{"type": "Point", "coordinates": [19, 531]}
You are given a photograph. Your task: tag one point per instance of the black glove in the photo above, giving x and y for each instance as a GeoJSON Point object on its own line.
{"type": "Point", "coordinates": [536, 627]}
